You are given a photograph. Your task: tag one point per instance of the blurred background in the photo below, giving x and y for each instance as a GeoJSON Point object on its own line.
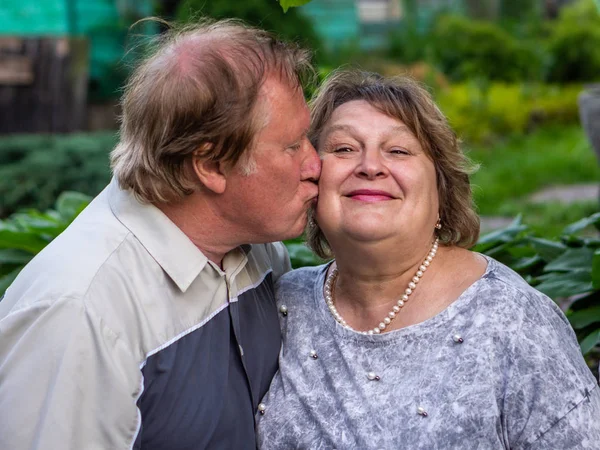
{"type": "Point", "coordinates": [507, 73]}
{"type": "Point", "coordinates": [519, 80]}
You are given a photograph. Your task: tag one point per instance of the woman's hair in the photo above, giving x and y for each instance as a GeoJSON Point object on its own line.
{"type": "Point", "coordinates": [404, 99]}
{"type": "Point", "coordinates": [198, 93]}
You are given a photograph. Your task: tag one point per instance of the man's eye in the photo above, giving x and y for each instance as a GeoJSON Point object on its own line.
{"type": "Point", "coordinates": [295, 147]}
{"type": "Point", "coordinates": [343, 150]}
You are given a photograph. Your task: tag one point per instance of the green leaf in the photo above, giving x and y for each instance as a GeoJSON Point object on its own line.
{"type": "Point", "coordinates": [42, 224]}
{"type": "Point", "coordinates": [584, 317]}
{"type": "Point", "coordinates": [13, 256]}
{"type": "Point", "coordinates": [505, 234]}
{"type": "Point", "coordinates": [565, 284]}
{"type": "Point", "coordinates": [6, 280]}
{"type": "Point", "coordinates": [596, 270]}
{"type": "Point", "coordinates": [287, 4]}
{"type": "Point", "coordinates": [573, 259]}
{"type": "Point", "coordinates": [548, 250]}
{"type": "Point", "coordinates": [301, 256]}
{"type": "Point", "coordinates": [594, 219]}
{"type": "Point", "coordinates": [22, 240]}
{"type": "Point", "coordinates": [70, 204]}
{"type": "Point", "coordinates": [525, 263]}
{"type": "Point", "coordinates": [496, 238]}
{"type": "Point", "coordinates": [590, 341]}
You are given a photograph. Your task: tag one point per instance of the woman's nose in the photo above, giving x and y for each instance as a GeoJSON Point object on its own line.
{"type": "Point", "coordinates": [371, 165]}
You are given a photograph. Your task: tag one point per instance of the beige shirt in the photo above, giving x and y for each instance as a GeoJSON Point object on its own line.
{"type": "Point", "coordinates": [79, 323]}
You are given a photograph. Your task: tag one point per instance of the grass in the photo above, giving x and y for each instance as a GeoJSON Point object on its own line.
{"type": "Point", "coordinates": [516, 168]}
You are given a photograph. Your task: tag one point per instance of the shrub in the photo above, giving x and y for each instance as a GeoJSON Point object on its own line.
{"type": "Point", "coordinates": [475, 49]}
{"type": "Point", "coordinates": [574, 44]}
{"type": "Point", "coordinates": [481, 112]}
{"type": "Point", "coordinates": [35, 169]}
{"type": "Point", "coordinates": [575, 51]}
{"type": "Point", "coordinates": [265, 14]}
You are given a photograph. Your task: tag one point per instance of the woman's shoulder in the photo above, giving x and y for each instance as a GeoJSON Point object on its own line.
{"type": "Point", "coordinates": [544, 365]}
{"type": "Point", "coordinates": [299, 282]}
{"type": "Point", "coordinates": [506, 292]}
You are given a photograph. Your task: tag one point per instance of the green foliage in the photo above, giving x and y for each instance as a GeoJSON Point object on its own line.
{"type": "Point", "coordinates": [25, 234]}
{"type": "Point", "coordinates": [519, 9]}
{"type": "Point", "coordinates": [547, 219]}
{"type": "Point", "coordinates": [468, 49]}
{"type": "Point", "coordinates": [35, 169]}
{"type": "Point", "coordinates": [566, 269]}
{"type": "Point", "coordinates": [575, 53]}
{"type": "Point", "coordinates": [286, 4]}
{"type": "Point", "coordinates": [300, 254]}
{"type": "Point", "coordinates": [521, 165]}
{"type": "Point", "coordinates": [481, 112]}
{"type": "Point", "coordinates": [264, 14]}
{"type": "Point", "coordinates": [574, 44]}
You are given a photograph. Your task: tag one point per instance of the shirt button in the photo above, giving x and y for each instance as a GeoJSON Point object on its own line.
{"type": "Point", "coordinates": [262, 408]}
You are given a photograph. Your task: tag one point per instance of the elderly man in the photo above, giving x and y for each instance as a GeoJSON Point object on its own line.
{"type": "Point", "coordinates": [150, 322]}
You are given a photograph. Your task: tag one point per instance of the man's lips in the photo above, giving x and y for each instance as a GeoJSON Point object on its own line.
{"type": "Point", "coordinates": [370, 195]}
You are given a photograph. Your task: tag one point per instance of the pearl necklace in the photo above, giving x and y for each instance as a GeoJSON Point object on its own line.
{"type": "Point", "coordinates": [412, 285]}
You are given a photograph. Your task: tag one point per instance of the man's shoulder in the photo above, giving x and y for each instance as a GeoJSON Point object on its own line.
{"type": "Point", "coordinates": [89, 251]}
{"type": "Point", "coordinates": [270, 257]}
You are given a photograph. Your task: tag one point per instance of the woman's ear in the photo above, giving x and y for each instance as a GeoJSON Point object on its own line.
{"type": "Point", "coordinates": [210, 173]}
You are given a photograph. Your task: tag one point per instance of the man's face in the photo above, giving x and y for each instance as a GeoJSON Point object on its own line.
{"type": "Point", "coordinates": [271, 203]}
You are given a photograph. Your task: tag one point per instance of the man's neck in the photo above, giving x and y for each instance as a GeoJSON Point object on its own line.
{"type": "Point", "coordinates": [202, 225]}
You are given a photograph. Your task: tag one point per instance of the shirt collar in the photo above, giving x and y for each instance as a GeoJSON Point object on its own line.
{"type": "Point", "coordinates": [162, 239]}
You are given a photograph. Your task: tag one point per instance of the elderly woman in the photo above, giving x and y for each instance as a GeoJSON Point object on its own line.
{"type": "Point", "coordinates": [407, 340]}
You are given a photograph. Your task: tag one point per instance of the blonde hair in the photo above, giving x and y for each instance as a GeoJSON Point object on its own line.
{"type": "Point", "coordinates": [197, 93]}
{"type": "Point", "coordinates": [404, 99]}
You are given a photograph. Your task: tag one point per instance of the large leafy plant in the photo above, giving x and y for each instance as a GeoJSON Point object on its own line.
{"type": "Point", "coordinates": [566, 269]}
{"type": "Point", "coordinates": [26, 233]}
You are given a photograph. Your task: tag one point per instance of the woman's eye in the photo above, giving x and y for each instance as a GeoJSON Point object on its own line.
{"type": "Point", "coordinates": [342, 150]}
{"type": "Point", "coordinates": [399, 151]}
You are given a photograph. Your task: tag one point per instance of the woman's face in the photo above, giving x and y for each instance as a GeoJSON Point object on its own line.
{"type": "Point", "coordinates": [376, 182]}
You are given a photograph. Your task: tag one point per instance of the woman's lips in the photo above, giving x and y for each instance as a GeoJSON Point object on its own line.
{"type": "Point", "coordinates": [367, 195]}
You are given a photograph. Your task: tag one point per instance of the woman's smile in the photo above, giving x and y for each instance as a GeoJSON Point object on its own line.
{"type": "Point", "coordinates": [370, 195]}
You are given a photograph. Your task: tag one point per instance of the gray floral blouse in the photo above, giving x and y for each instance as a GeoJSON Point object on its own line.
{"type": "Point", "coordinates": [500, 368]}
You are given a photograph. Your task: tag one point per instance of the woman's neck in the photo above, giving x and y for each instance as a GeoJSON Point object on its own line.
{"type": "Point", "coordinates": [373, 277]}
{"type": "Point", "coordinates": [369, 284]}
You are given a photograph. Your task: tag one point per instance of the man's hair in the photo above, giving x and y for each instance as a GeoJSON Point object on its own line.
{"type": "Point", "coordinates": [197, 93]}
{"type": "Point", "coordinates": [404, 99]}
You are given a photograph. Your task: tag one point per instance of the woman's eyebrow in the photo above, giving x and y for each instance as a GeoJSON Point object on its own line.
{"type": "Point", "coordinates": [333, 128]}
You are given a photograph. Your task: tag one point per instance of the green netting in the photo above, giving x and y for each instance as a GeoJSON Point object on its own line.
{"type": "Point", "coordinates": [104, 22]}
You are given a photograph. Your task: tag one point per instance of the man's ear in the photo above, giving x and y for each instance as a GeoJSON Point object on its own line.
{"type": "Point", "coordinates": [210, 173]}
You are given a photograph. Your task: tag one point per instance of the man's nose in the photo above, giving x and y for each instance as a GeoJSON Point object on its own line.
{"type": "Point", "coordinates": [311, 167]}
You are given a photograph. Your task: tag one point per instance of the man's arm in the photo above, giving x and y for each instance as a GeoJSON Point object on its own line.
{"type": "Point", "coordinates": [66, 380]}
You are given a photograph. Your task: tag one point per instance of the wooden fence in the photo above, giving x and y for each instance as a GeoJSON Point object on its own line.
{"type": "Point", "coordinates": [43, 84]}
